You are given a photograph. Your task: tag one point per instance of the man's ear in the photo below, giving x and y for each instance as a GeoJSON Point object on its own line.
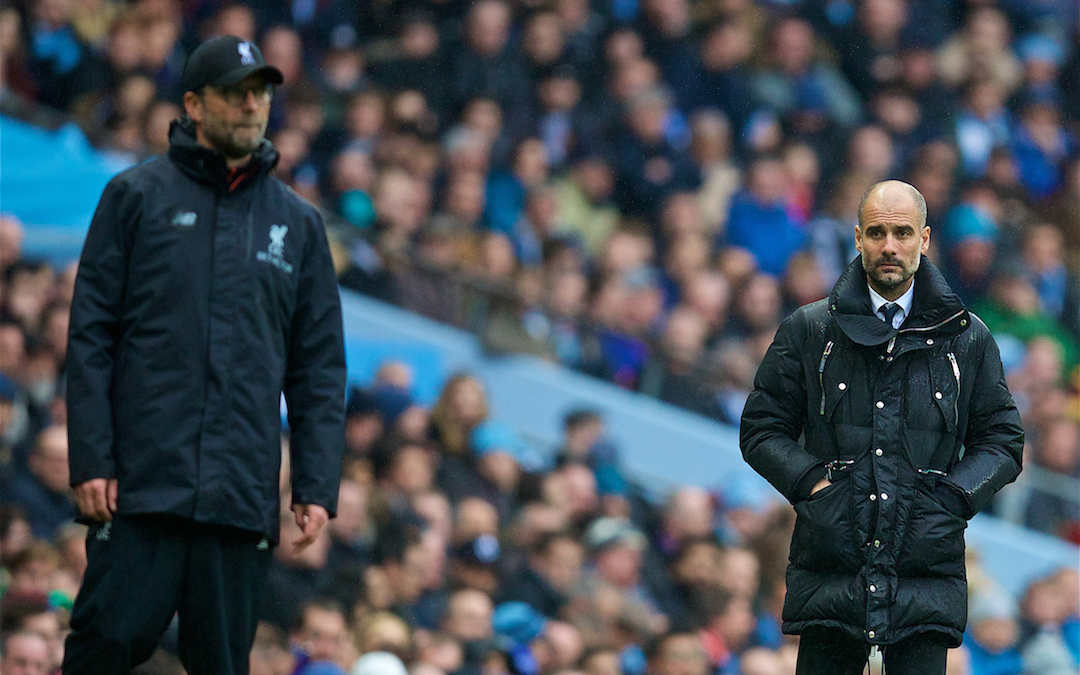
{"type": "Point", "coordinates": [858, 239]}
{"type": "Point", "coordinates": [925, 234]}
{"type": "Point", "coordinates": [193, 106]}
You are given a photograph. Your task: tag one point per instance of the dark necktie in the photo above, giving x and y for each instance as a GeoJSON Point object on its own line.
{"type": "Point", "coordinates": [890, 309]}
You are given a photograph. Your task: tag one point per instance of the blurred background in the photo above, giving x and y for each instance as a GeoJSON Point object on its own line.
{"type": "Point", "coordinates": [565, 232]}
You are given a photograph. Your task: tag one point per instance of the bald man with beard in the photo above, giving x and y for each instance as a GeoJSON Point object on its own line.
{"type": "Point", "coordinates": [859, 414]}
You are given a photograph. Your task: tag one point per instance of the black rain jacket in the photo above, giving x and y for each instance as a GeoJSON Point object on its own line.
{"type": "Point", "coordinates": [920, 431]}
{"type": "Point", "coordinates": [202, 295]}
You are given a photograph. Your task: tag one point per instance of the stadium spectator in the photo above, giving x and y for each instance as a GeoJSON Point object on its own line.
{"type": "Point", "coordinates": [401, 124]}
{"type": "Point", "coordinates": [25, 653]}
{"type": "Point", "coordinates": [321, 634]}
{"type": "Point", "coordinates": [44, 492]}
{"type": "Point", "coordinates": [760, 221]}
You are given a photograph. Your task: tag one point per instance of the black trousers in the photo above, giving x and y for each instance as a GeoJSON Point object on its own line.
{"type": "Point", "coordinates": [830, 652]}
{"type": "Point", "coordinates": [144, 569]}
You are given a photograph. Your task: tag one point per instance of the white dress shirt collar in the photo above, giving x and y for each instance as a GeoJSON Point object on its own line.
{"type": "Point", "coordinates": [905, 300]}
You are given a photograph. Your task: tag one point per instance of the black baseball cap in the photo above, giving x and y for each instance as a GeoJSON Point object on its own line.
{"type": "Point", "coordinates": [224, 61]}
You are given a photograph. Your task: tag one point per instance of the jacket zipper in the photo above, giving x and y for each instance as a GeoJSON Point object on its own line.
{"type": "Point", "coordinates": [956, 374]}
{"type": "Point", "coordinates": [892, 341]}
{"type": "Point", "coordinates": [251, 234]}
{"type": "Point", "coordinates": [821, 372]}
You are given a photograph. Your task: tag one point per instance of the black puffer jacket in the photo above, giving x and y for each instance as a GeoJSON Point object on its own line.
{"type": "Point", "coordinates": [202, 295]}
{"type": "Point", "coordinates": [922, 431]}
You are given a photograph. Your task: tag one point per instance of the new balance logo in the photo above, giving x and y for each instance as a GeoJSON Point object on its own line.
{"type": "Point", "coordinates": [105, 533]}
{"type": "Point", "coordinates": [264, 544]}
{"type": "Point", "coordinates": [185, 218]}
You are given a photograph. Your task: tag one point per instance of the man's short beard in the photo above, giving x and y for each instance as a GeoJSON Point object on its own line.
{"type": "Point", "coordinates": [225, 144]}
{"type": "Point", "coordinates": [227, 147]}
{"type": "Point", "coordinates": [889, 284]}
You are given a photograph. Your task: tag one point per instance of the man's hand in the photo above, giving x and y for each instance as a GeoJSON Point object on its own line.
{"type": "Point", "coordinates": [96, 498]}
{"type": "Point", "coordinates": [311, 519]}
{"type": "Point", "coordinates": [820, 485]}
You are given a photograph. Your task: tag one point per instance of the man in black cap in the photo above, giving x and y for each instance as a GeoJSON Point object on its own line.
{"type": "Point", "coordinates": [205, 290]}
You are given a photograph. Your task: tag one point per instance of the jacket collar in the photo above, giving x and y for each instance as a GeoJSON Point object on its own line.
{"type": "Point", "coordinates": [932, 311]}
{"type": "Point", "coordinates": [208, 166]}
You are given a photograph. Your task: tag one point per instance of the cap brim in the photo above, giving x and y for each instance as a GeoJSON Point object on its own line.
{"type": "Point", "coordinates": [270, 73]}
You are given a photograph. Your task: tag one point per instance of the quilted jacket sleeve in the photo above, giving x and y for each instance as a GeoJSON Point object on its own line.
{"type": "Point", "coordinates": [775, 413]}
{"type": "Point", "coordinates": [994, 438]}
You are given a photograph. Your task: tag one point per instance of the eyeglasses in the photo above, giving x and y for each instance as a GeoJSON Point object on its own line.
{"type": "Point", "coordinates": [237, 94]}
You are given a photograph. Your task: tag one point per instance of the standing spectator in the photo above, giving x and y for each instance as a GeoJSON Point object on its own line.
{"type": "Point", "coordinates": [760, 221]}
{"type": "Point", "coordinates": [61, 64]}
{"type": "Point", "coordinates": [542, 45]}
{"type": "Point", "coordinates": [1057, 449]}
{"type": "Point", "coordinates": [919, 75]}
{"type": "Point", "coordinates": [44, 492]}
{"type": "Point", "coordinates": [665, 29]}
{"type": "Point", "coordinates": [981, 49]}
{"type": "Point", "coordinates": [553, 568]}
{"type": "Point", "coordinates": [725, 78]}
{"type": "Point", "coordinates": [796, 83]}
{"type": "Point", "coordinates": [1044, 609]}
{"type": "Point", "coordinates": [178, 421]}
{"type": "Point", "coordinates": [869, 55]}
{"type": "Point", "coordinates": [416, 63]}
{"type": "Point", "coordinates": [24, 653]}
{"type": "Point", "coordinates": [1044, 257]}
{"type": "Point", "coordinates": [322, 635]}
{"type": "Point", "coordinates": [677, 654]}
{"type": "Point", "coordinates": [616, 549]}
{"type": "Point", "coordinates": [33, 570]}
{"type": "Point", "coordinates": [468, 619]}
{"type": "Point", "coordinates": [1042, 144]}
{"type": "Point", "coordinates": [485, 64]}
{"type": "Point", "coordinates": [992, 635]}
{"type": "Point", "coordinates": [270, 653]}
{"type": "Point", "coordinates": [648, 166]}
{"type": "Point", "coordinates": [982, 123]}
{"type": "Point", "coordinates": [565, 126]}
{"type": "Point", "coordinates": [830, 232]}
{"type": "Point", "coordinates": [585, 211]}
{"type": "Point", "coordinates": [710, 146]}
{"type": "Point", "coordinates": [507, 190]}
{"type": "Point", "coordinates": [462, 405]}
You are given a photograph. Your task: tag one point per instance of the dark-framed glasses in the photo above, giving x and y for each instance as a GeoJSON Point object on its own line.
{"type": "Point", "coordinates": [237, 94]}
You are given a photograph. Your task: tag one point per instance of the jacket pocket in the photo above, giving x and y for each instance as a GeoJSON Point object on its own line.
{"type": "Point", "coordinates": [934, 539]}
{"type": "Point", "coordinates": [824, 535]}
{"type": "Point", "coordinates": [834, 379]}
{"type": "Point", "coordinates": [945, 381]}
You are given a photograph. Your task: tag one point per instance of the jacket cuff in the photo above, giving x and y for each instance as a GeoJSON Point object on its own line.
{"type": "Point", "coordinates": [806, 484]}
{"type": "Point", "coordinates": [953, 501]}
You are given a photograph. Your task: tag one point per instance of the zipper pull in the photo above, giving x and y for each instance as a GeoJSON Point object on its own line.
{"type": "Point", "coordinates": [955, 371]}
{"type": "Point", "coordinates": [821, 371]}
{"type": "Point", "coordinates": [892, 341]}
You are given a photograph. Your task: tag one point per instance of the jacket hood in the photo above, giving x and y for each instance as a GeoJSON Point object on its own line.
{"type": "Point", "coordinates": [208, 166]}
{"type": "Point", "coordinates": [934, 302]}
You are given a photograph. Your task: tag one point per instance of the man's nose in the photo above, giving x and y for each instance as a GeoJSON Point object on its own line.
{"type": "Point", "coordinates": [890, 245]}
{"type": "Point", "coordinates": [250, 101]}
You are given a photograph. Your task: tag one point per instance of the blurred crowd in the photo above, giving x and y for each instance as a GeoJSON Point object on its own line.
{"type": "Point", "coordinates": [461, 549]}
{"type": "Point", "coordinates": [637, 189]}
